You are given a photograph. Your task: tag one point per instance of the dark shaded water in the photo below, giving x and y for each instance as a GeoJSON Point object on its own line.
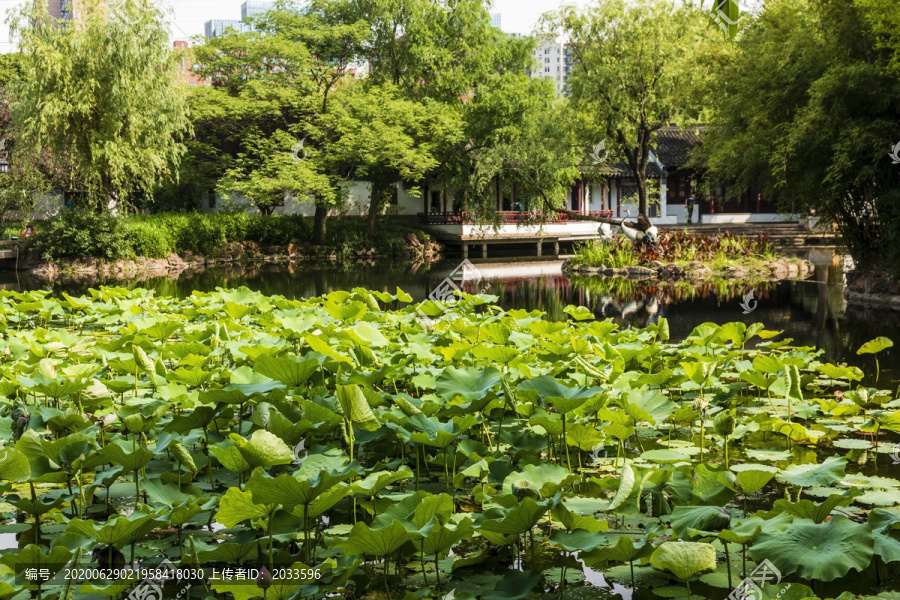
{"type": "Point", "coordinates": [811, 312]}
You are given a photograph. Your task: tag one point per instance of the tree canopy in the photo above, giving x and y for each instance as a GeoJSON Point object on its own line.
{"type": "Point", "coordinates": [76, 102]}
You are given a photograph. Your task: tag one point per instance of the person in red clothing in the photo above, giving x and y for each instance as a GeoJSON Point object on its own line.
{"type": "Point", "coordinates": [28, 231]}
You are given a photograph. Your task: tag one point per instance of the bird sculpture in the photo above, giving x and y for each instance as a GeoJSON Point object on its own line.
{"type": "Point", "coordinates": [642, 231]}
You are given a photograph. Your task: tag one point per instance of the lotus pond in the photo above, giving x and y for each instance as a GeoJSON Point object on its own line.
{"type": "Point", "coordinates": [362, 446]}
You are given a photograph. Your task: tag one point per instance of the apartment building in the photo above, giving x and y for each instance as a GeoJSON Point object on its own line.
{"type": "Point", "coordinates": [553, 60]}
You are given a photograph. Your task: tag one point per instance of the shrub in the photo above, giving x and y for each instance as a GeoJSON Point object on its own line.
{"type": "Point", "coordinates": [80, 234]}
{"type": "Point", "coordinates": [145, 238]}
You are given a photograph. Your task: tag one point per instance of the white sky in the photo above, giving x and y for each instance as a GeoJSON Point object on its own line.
{"type": "Point", "coordinates": [518, 16]}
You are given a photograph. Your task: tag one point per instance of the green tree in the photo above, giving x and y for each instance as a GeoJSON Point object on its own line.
{"type": "Point", "coordinates": [637, 66]}
{"type": "Point", "coordinates": [384, 139]}
{"type": "Point", "coordinates": [333, 43]}
{"type": "Point", "coordinates": [805, 108]}
{"type": "Point", "coordinates": [100, 100]}
{"type": "Point", "coordinates": [519, 142]}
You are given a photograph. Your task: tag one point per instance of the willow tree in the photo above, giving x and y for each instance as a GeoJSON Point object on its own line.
{"type": "Point", "coordinates": [637, 65]}
{"type": "Point", "coordinates": [100, 95]}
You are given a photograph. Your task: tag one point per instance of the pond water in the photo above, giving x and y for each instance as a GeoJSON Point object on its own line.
{"type": "Point", "coordinates": [811, 312]}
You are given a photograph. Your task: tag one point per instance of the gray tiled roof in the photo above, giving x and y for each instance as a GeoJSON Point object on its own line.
{"type": "Point", "coordinates": [673, 145]}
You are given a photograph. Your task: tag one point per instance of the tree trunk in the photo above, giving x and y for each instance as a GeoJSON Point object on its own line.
{"type": "Point", "coordinates": [375, 200]}
{"type": "Point", "coordinates": [642, 194]}
{"type": "Point", "coordinates": [318, 237]}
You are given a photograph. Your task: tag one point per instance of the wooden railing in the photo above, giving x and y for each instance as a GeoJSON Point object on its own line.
{"type": "Point", "coordinates": [456, 218]}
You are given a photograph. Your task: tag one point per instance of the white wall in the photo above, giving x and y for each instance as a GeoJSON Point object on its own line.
{"type": "Point", "coordinates": [356, 203]}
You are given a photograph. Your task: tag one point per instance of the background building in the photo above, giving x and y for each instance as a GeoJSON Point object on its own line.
{"type": "Point", "coordinates": [553, 60]}
{"type": "Point", "coordinates": [495, 20]}
{"type": "Point", "coordinates": [249, 9]}
{"type": "Point", "coordinates": [217, 27]}
{"type": "Point", "coordinates": [252, 8]}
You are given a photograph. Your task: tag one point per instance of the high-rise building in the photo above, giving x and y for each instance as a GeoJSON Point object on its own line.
{"type": "Point", "coordinates": [251, 8]}
{"type": "Point", "coordinates": [553, 60]}
{"type": "Point", "coordinates": [217, 27]}
{"type": "Point", "coordinates": [495, 20]}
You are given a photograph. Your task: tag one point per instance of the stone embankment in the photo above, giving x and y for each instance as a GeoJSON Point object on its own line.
{"type": "Point", "coordinates": [230, 254]}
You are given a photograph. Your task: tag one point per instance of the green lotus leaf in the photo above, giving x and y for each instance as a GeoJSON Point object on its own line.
{"type": "Point", "coordinates": [225, 552]}
{"type": "Point", "coordinates": [648, 405]}
{"type": "Point", "coordinates": [182, 456]}
{"type": "Point", "coordinates": [237, 506]}
{"type": "Point", "coordinates": [579, 313]}
{"type": "Point", "coordinates": [758, 379]}
{"type": "Point", "coordinates": [773, 455]}
{"type": "Point", "coordinates": [514, 586]}
{"type": "Point", "coordinates": [375, 483]}
{"type": "Point", "coordinates": [432, 432]}
{"type": "Point", "coordinates": [579, 540]}
{"type": "Point", "coordinates": [32, 556]}
{"type": "Point", "coordinates": [547, 479]}
{"type": "Point", "coordinates": [684, 559]}
{"type": "Point", "coordinates": [288, 371]}
{"type": "Point", "coordinates": [118, 531]}
{"type": "Point", "coordinates": [875, 346]}
{"type": "Point", "coordinates": [356, 408]}
{"type": "Point", "coordinates": [495, 354]}
{"type": "Point", "coordinates": [518, 519]}
{"type": "Point", "coordinates": [236, 311]}
{"type": "Point", "coordinates": [834, 372]}
{"type": "Point", "coordinates": [345, 312]}
{"type": "Point", "coordinates": [883, 522]}
{"type": "Point", "coordinates": [625, 550]}
{"type": "Point", "coordinates": [665, 456]}
{"type": "Point", "coordinates": [14, 465]}
{"type": "Point", "coordinates": [690, 522]}
{"type": "Point", "coordinates": [132, 460]}
{"type": "Point", "coordinates": [140, 417]}
{"type": "Point", "coordinates": [825, 474]}
{"type": "Point", "coordinates": [193, 378]}
{"type": "Point", "coordinates": [626, 485]}
{"type": "Point", "coordinates": [442, 538]}
{"type": "Point", "coordinates": [263, 449]}
{"type": "Point", "coordinates": [470, 383]}
{"type": "Point", "coordinates": [807, 509]}
{"type": "Point", "coordinates": [369, 335]}
{"type": "Point", "coordinates": [290, 491]}
{"type": "Point", "coordinates": [380, 542]}
{"type": "Point", "coordinates": [231, 458]}
{"type": "Point", "coordinates": [653, 379]}
{"type": "Point", "coordinates": [824, 551]}
{"type": "Point", "coordinates": [142, 360]}
{"type": "Point", "coordinates": [161, 330]}
{"type": "Point", "coordinates": [571, 521]}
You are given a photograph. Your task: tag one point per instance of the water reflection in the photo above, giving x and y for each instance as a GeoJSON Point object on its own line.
{"type": "Point", "coordinates": [811, 312]}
